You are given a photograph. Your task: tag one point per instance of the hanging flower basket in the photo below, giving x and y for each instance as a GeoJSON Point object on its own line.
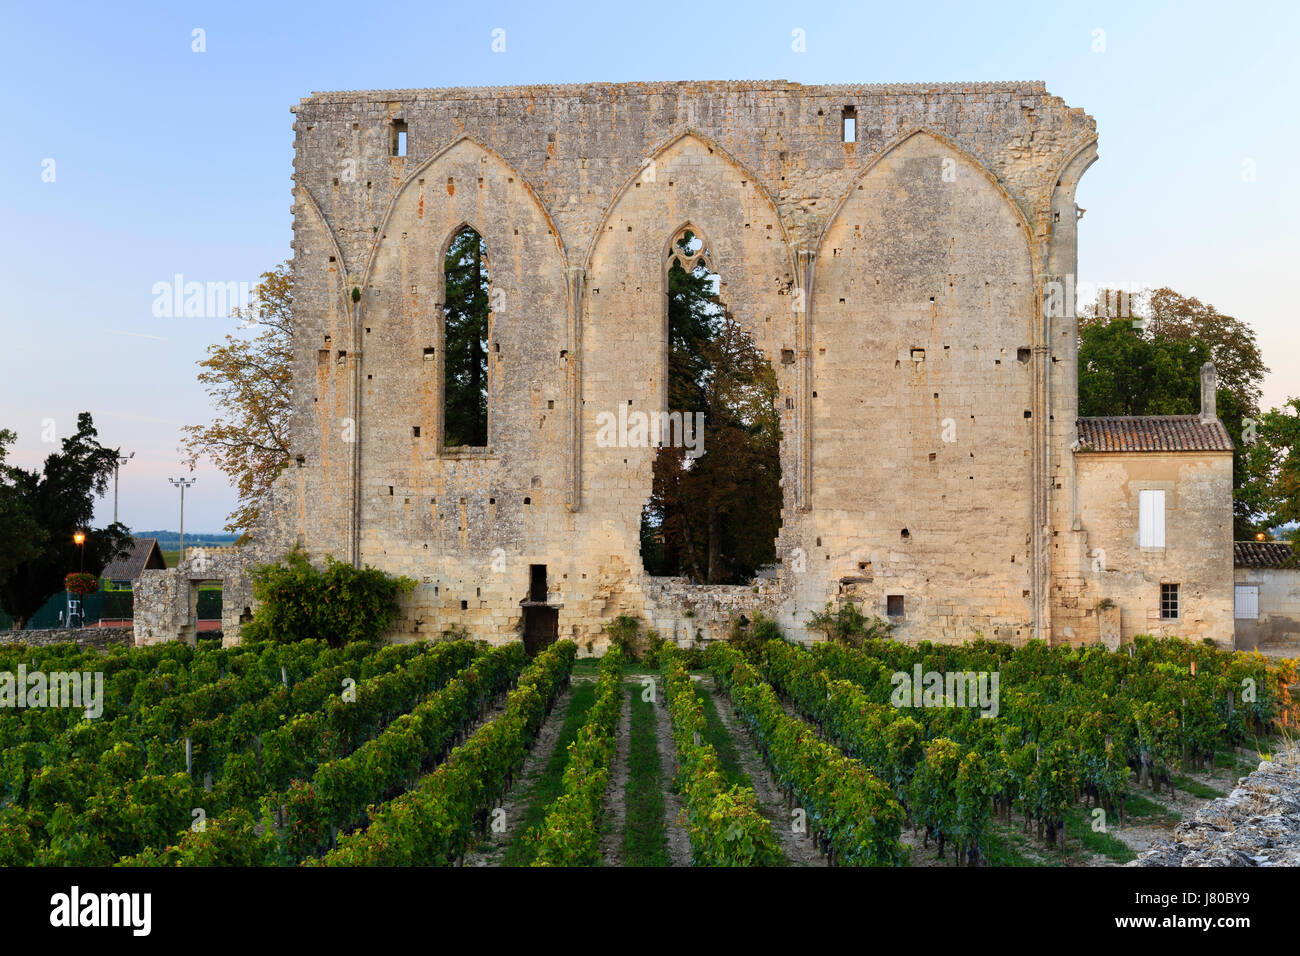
{"type": "Point", "coordinates": [80, 583]}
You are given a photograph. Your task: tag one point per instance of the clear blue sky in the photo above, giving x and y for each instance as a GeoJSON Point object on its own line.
{"type": "Point", "coordinates": [168, 161]}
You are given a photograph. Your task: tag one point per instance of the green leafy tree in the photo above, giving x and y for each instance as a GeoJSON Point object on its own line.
{"type": "Point", "coordinates": [337, 604]}
{"type": "Point", "coordinates": [1272, 467]}
{"type": "Point", "coordinates": [1124, 372]}
{"type": "Point", "coordinates": [250, 381]}
{"type": "Point", "coordinates": [465, 353]}
{"type": "Point", "coordinates": [23, 537]}
{"type": "Point", "coordinates": [714, 518]}
{"type": "Point", "coordinates": [1153, 370]}
{"type": "Point", "coordinates": [1233, 349]}
{"type": "Point", "coordinates": [51, 506]}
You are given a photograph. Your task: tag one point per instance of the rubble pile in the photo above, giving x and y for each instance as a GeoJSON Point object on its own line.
{"type": "Point", "coordinates": [1257, 824]}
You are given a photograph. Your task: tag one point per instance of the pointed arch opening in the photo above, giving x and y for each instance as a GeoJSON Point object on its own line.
{"type": "Point", "coordinates": [466, 336]}
{"type": "Point", "coordinates": [714, 510]}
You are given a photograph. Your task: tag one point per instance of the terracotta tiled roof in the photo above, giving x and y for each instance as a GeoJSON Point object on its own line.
{"type": "Point", "coordinates": [1152, 433]}
{"type": "Point", "coordinates": [1264, 554]}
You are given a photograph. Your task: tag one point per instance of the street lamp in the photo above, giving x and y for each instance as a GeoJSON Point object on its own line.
{"type": "Point", "coordinates": [182, 484]}
{"type": "Point", "coordinates": [120, 461]}
{"type": "Point", "coordinates": [79, 539]}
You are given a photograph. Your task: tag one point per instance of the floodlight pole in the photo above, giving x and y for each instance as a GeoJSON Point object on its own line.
{"type": "Point", "coordinates": [182, 484]}
{"type": "Point", "coordinates": [120, 461]}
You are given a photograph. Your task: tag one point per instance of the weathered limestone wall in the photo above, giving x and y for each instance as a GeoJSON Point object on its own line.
{"type": "Point", "coordinates": [923, 400]}
{"type": "Point", "coordinates": [440, 516]}
{"type": "Point", "coordinates": [1063, 556]}
{"type": "Point", "coordinates": [1279, 608]}
{"type": "Point", "coordinates": [894, 283]}
{"type": "Point", "coordinates": [686, 613]}
{"type": "Point", "coordinates": [1198, 544]}
{"type": "Point", "coordinates": [929, 231]}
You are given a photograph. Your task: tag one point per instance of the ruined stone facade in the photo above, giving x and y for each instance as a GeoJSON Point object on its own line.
{"type": "Point", "coordinates": [909, 276]}
{"type": "Point", "coordinates": [166, 602]}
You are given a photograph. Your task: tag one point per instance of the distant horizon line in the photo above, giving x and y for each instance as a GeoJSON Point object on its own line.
{"type": "Point", "coordinates": [189, 534]}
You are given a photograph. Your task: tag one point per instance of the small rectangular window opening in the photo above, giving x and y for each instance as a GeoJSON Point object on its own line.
{"type": "Point", "coordinates": [399, 138]}
{"type": "Point", "coordinates": [849, 123]}
{"type": "Point", "coordinates": [1169, 602]}
{"type": "Point", "coordinates": [894, 605]}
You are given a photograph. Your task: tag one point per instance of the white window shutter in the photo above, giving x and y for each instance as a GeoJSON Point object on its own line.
{"type": "Point", "coordinates": [1151, 518]}
{"type": "Point", "coordinates": [1247, 608]}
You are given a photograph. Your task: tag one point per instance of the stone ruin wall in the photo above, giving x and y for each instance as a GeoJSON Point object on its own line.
{"type": "Point", "coordinates": [894, 283]}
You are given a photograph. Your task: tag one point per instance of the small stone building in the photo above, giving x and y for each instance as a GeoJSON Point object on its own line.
{"type": "Point", "coordinates": [1155, 508]}
{"type": "Point", "coordinates": [1267, 586]}
{"type": "Point", "coordinates": [904, 257]}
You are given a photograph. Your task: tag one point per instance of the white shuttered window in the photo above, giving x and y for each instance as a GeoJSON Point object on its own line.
{"type": "Point", "coordinates": [1151, 518]}
{"type": "Point", "coordinates": [1247, 602]}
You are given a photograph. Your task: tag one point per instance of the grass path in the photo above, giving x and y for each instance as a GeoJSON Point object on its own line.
{"type": "Point", "coordinates": [716, 733]}
{"type": "Point", "coordinates": [645, 842]}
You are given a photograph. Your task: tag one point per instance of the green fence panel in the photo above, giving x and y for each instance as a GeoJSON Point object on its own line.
{"type": "Point", "coordinates": [209, 608]}
{"type": "Point", "coordinates": [110, 605]}
{"type": "Point", "coordinates": [54, 610]}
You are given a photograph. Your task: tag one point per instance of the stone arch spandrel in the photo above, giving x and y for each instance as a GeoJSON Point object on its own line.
{"type": "Point", "coordinates": [924, 327]}
{"type": "Point", "coordinates": [688, 182]}
{"type": "Point", "coordinates": [461, 146]}
{"type": "Point", "coordinates": [464, 184]}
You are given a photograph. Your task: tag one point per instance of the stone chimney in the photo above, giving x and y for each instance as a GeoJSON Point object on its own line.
{"type": "Point", "coordinates": [1209, 385]}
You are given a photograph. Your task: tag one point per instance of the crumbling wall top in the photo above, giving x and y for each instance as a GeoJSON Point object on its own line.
{"type": "Point", "coordinates": [943, 88]}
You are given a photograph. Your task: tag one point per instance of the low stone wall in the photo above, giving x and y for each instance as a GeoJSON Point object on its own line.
{"type": "Point", "coordinates": [85, 636]}
{"type": "Point", "coordinates": [683, 612]}
{"type": "Point", "coordinates": [1258, 824]}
